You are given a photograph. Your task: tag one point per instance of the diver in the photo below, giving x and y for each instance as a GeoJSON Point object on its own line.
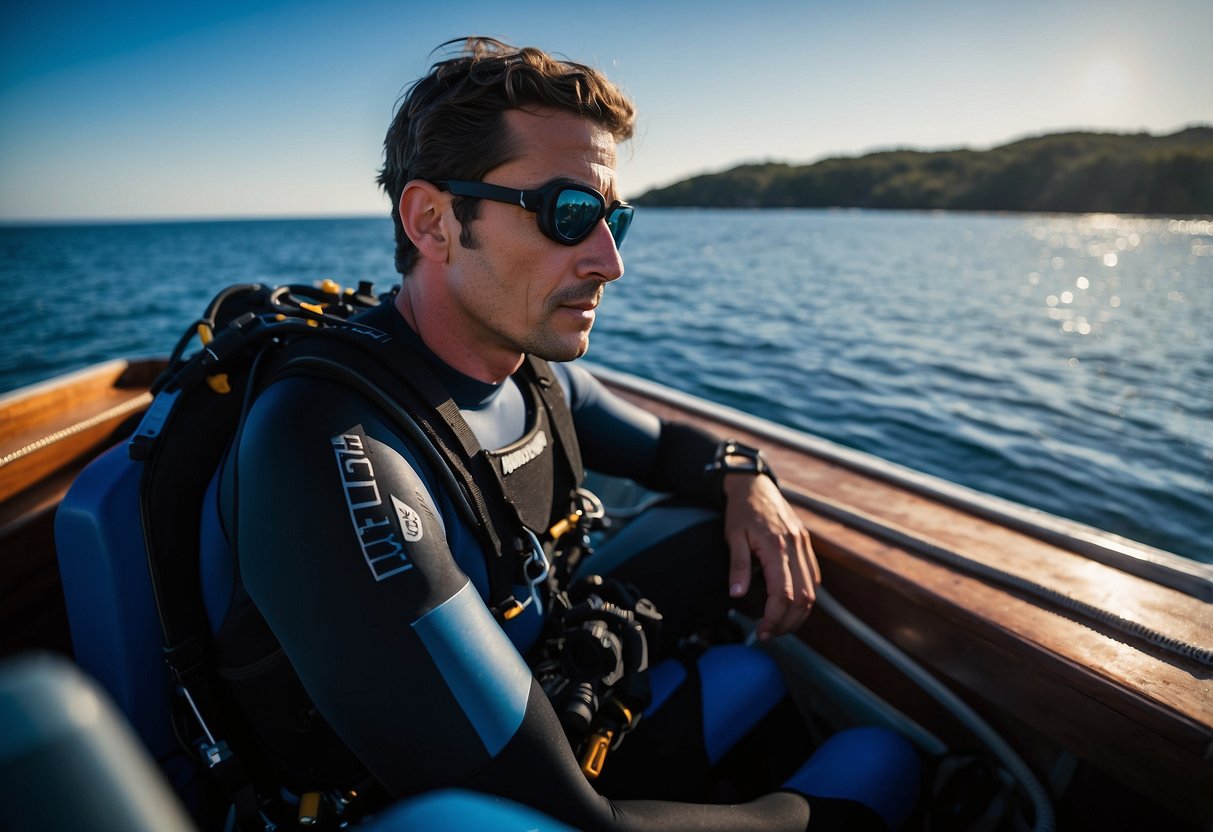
{"type": "Point", "coordinates": [406, 607]}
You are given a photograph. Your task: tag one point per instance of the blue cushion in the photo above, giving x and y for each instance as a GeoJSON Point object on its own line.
{"type": "Point", "coordinates": [110, 607]}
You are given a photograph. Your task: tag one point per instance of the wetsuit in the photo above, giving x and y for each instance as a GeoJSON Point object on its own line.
{"type": "Point", "coordinates": [394, 645]}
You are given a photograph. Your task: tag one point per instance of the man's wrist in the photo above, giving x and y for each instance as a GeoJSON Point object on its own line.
{"type": "Point", "coordinates": [733, 457]}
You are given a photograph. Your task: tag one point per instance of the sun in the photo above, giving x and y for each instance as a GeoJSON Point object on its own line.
{"type": "Point", "coordinates": [1103, 86]}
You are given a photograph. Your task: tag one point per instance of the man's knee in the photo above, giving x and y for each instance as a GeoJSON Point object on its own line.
{"type": "Point", "coordinates": [872, 766]}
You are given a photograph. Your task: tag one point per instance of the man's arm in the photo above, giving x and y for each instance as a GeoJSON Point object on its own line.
{"type": "Point", "coordinates": [621, 439]}
{"type": "Point", "coordinates": [346, 550]}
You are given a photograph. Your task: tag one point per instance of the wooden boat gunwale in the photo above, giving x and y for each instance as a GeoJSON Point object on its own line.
{"type": "Point", "coordinates": [49, 429]}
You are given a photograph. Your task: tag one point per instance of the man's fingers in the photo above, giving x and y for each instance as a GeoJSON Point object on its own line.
{"type": "Point", "coordinates": [808, 571]}
{"type": "Point", "coordinates": [788, 609]}
{"type": "Point", "coordinates": [761, 525]}
{"type": "Point", "coordinates": [739, 565]}
{"type": "Point", "coordinates": [781, 588]}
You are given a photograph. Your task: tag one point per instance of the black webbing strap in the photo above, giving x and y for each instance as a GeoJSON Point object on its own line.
{"type": "Point", "coordinates": [559, 415]}
{"type": "Point", "coordinates": [504, 569]}
{"type": "Point", "coordinates": [191, 439]}
{"type": "Point", "coordinates": [404, 386]}
{"type": "Point", "coordinates": [406, 390]}
{"type": "Point", "coordinates": [233, 780]}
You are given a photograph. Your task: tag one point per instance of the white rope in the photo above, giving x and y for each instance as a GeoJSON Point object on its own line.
{"type": "Point", "coordinates": [1115, 621]}
{"type": "Point", "coordinates": [115, 412]}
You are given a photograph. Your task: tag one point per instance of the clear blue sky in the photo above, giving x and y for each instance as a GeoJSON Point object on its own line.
{"type": "Point", "coordinates": [194, 109]}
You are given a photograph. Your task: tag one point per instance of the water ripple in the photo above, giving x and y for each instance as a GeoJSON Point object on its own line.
{"type": "Point", "coordinates": [1012, 354]}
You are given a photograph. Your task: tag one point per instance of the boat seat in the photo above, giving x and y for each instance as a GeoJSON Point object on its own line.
{"type": "Point", "coordinates": [68, 761]}
{"type": "Point", "coordinates": [116, 636]}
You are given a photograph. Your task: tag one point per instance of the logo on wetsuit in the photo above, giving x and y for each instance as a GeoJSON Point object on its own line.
{"type": "Point", "coordinates": [514, 460]}
{"type": "Point", "coordinates": [381, 548]}
{"type": "Point", "coordinates": [410, 521]}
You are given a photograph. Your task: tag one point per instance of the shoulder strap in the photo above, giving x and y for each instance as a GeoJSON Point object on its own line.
{"type": "Point", "coordinates": [561, 418]}
{"type": "Point", "coordinates": [417, 403]}
{"type": "Point", "coordinates": [404, 387]}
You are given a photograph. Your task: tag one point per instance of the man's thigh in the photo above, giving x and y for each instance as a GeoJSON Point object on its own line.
{"type": "Point", "coordinates": [676, 556]}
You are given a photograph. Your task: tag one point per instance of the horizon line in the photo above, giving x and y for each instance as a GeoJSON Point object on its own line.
{"type": "Point", "coordinates": [143, 219]}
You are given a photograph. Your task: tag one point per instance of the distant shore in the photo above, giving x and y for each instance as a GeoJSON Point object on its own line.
{"type": "Point", "coordinates": [1058, 173]}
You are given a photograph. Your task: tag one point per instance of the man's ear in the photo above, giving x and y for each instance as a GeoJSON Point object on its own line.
{"type": "Point", "coordinates": [422, 207]}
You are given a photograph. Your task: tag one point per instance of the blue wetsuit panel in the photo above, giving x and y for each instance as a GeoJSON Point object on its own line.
{"type": "Point", "coordinates": [740, 686]}
{"type": "Point", "coordinates": [873, 766]}
{"type": "Point", "coordinates": [468, 647]}
{"type": "Point", "coordinates": [616, 437]}
{"type": "Point", "coordinates": [454, 809]}
{"type": "Point", "coordinates": [216, 566]}
{"type": "Point", "coordinates": [664, 679]}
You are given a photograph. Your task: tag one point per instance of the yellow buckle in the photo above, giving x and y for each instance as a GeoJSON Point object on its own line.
{"type": "Point", "coordinates": [596, 750]}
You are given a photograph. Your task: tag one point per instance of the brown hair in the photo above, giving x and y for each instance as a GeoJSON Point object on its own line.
{"type": "Point", "coordinates": [449, 123]}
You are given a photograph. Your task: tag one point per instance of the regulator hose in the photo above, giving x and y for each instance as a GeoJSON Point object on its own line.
{"type": "Point", "coordinates": [1042, 805]}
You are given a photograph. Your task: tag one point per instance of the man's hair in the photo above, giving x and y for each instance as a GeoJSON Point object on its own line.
{"type": "Point", "coordinates": [450, 124]}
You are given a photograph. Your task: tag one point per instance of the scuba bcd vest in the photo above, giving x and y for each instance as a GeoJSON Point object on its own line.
{"type": "Point", "coordinates": [253, 335]}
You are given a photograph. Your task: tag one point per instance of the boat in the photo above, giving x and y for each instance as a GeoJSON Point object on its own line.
{"type": "Point", "coordinates": [1087, 655]}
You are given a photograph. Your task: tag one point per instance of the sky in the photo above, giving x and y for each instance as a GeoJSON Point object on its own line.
{"type": "Point", "coordinates": [148, 110]}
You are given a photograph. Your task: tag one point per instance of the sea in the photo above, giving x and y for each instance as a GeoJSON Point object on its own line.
{"type": "Point", "coordinates": [1062, 362]}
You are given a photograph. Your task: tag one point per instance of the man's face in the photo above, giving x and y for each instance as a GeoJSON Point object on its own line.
{"type": "Point", "coordinates": [517, 290]}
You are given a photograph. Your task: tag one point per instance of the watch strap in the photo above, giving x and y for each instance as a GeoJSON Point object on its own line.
{"type": "Point", "coordinates": [755, 463]}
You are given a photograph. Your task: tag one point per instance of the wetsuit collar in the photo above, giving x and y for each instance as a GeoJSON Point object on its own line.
{"type": "Point", "coordinates": [467, 392]}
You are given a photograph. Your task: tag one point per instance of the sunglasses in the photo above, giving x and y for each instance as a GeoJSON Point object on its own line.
{"type": "Point", "coordinates": [566, 212]}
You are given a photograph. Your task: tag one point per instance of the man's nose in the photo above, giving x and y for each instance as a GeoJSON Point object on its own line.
{"type": "Point", "coordinates": [601, 258]}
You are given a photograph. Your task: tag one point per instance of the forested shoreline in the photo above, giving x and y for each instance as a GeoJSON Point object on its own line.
{"type": "Point", "coordinates": [1061, 172]}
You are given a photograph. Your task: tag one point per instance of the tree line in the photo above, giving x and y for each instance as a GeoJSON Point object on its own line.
{"type": "Point", "coordinates": [1062, 172]}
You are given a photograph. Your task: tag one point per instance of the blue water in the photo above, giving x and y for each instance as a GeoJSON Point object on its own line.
{"type": "Point", "coordinates": [1062, 362]}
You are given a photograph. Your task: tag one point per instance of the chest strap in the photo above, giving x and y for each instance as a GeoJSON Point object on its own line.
{"type": "Point", "coordinates": [404, 387]}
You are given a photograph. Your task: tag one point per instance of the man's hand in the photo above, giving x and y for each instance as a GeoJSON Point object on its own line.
{"type": "Point", "coordinates": [759, 523]}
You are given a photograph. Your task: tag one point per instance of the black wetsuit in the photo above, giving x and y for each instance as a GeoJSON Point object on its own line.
{"type": "Point", "coordinates": [395, 645]}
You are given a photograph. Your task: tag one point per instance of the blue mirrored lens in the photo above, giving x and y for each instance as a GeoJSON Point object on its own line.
{"type": "Point", "coordinates": [619, 221]}
{"type": "Point", "coordinates": [575, 214]}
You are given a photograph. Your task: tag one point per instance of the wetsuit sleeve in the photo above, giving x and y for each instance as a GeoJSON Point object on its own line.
{"type": "Point", "coordinates": [344, 550]}
{"type": "Point", "coordinates": [623, 440]}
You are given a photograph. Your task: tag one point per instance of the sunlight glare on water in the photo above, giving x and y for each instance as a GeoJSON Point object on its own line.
{"type": "Point", "coordinates": [1009, 353]}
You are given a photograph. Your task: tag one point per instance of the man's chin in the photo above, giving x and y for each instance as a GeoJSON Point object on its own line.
{"type": "Point", "coordinates": [562, 349]}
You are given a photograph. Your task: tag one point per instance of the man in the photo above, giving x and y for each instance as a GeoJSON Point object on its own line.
{"type": "Point", "coordinates": [366, 557]}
